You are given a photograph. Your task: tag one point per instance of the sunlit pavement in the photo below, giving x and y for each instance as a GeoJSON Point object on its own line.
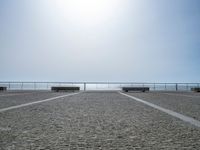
{"type": "Point", "coordinates": [98, 120]}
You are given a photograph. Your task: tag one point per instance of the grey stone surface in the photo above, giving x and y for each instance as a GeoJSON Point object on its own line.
{"type": "Point", "coordinates": [17, 98]}
{"type": "Point", "coordinates": [186, 103]}
{"type": "Point", "coordinates": [94, 121]}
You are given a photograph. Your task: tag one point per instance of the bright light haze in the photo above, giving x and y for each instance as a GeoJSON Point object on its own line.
{"type": "Point", "coordinates": [100, 40]}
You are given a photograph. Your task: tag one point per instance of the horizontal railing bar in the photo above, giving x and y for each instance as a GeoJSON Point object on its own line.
{"type": "Point", "coordinates": [161, 83]}
{"type": "Point", "coordinates": [98, 82]}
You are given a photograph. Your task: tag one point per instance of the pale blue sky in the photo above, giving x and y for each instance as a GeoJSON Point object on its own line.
{"type": "Point", "coordinates": [107, 40]}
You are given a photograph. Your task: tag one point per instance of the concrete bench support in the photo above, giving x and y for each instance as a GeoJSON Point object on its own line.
{"type": "Point", "coordinates": [139, 89]}
{"type": "Point", "coordinates": [195, 89]}
{"type": "Point", "coordinates": [2, 88]}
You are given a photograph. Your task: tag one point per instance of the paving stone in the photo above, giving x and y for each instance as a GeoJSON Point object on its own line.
{"type": "Point", "coordinates": [95, 120]}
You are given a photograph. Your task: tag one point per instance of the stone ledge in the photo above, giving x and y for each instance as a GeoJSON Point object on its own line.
{"type": "Point", "coordinates": [195, 89]}
{"type": "Point", "coordinates": [2, 88]}
{"type": "Point", "coordinates": [142, 89]}
{"type": "Point", "coordinates": [65, 88]}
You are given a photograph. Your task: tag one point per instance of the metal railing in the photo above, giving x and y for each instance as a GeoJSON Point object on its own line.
{"type": "Point", "coordinates": [99, 85]}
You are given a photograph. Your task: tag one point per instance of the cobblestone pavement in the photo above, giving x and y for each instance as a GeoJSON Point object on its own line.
{"type": "Point", "coordinates": [179, 102]}
{"type": "Point", "coordinates": [189, 93]}
{"type": "Point", "coordinates": [94, 120]}
{"type": "Point", "coordinates": [19, 92]}
{"type": "Point", "coordinates": [11, 99]}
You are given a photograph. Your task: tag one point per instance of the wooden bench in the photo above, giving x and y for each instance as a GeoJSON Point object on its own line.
{"type": "Point", "coordinates": [195, 89]}
{"type": "Point", "coordinates": [141, 89]}
{"type": "Point", "coordinates": [2, 88]}
{"type": "Point", "coordinates": [65, 88]}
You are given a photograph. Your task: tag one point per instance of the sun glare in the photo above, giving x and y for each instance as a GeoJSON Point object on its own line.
{"type": "Point", "coordinates": [87, 11]}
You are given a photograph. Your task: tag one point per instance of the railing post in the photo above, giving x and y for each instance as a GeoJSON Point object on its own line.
{"type": "Point", "coordinates": [22, 86]}
{"type": "Point", "coordinates": [187, 87]}
{"type": "Point", "coordinates": [9, 85]}
{"type": "Point", "coordinates": [154, 86]}
{"type": "Point", "coordinates": [34, 86]}
{"type": "Point", "coordinates": [176, 87]}
{"type": "Point", "coordinates": [84, 86]}
{"type": "Point", "coordinates": [165, 86]}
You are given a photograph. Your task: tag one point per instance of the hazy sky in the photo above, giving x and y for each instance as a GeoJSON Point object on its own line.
{"type": "Point", "coordinates": [100, 40]}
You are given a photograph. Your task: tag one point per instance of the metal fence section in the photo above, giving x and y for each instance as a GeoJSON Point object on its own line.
{"type": "Point", "coordinates": [99, 85]}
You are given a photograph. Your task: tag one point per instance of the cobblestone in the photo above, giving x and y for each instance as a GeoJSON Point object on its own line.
{"type": "Point", "coordinates": [10, 99]}
{"type": "Point", "coordinates": [94, 120]}
{"type": "Point", "coordinates": [179, 102]}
